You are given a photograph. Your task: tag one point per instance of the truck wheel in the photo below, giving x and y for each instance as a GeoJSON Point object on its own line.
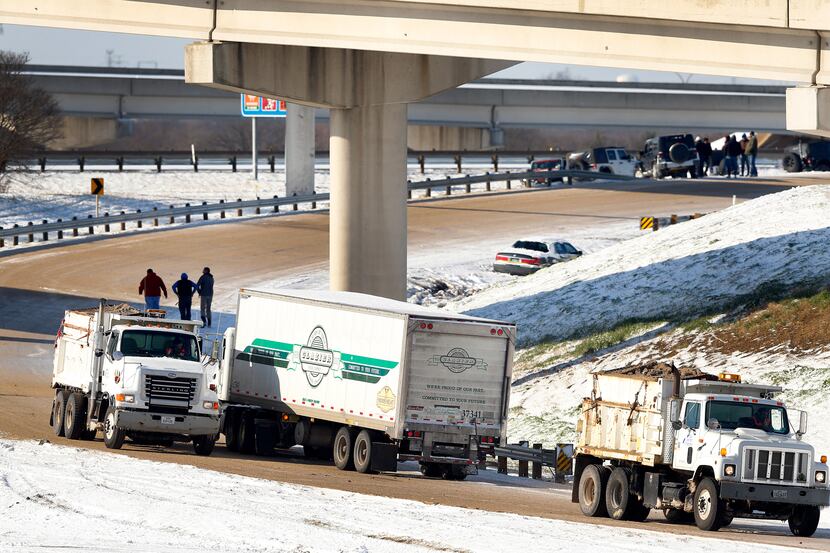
{"type": "Point", "coordinates": [203, 445]}
{"type": "Point", "coordinates": [618, 494]}
{"type": "Point", "coordinates": [792, 163]}
{"type": "Point", "coordinates": [430, 470]}
{"type": "Point", "coordinates": [113, 436]}
{"type": "Point", "coordinates": [708, 507]}
{"type": "Point", "coordinates": [246, 433]}
{"type": "Point", "coordinates": [342, 449]}
{"type": "Point", "coordinates": [74, 416]}
{"type": "Point", "coordinates": [592, 485]}
{"type": "Point", "coordinates": [58, 412]}
{"type": "Point", "coordinates": [804, 520]}
{"type": "Point", "coordinates": [676, 516]}
{"type": "Point", "coordinates": [363, 452]}
{"type": "Point", "coordinates": [232, 430]}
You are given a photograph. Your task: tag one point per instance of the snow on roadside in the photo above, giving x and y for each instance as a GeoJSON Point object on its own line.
{"type": "Point", "coordinates": [61, 497]}
{"type": "Point", "coordinates": [701, 265]}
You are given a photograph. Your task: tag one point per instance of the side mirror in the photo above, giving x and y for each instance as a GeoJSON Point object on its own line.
{"type": "Point", "coordinates": [802, 424]}
{"type": "Point", "coordinates": [677, 425]}
{"type": "Point", "coordinates": [674, 411]}
{"type": "Point", "coordinates": [713, 424]}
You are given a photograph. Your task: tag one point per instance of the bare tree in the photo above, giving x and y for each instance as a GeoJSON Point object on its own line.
{"type": "Point", "coordinates": [29, 116]}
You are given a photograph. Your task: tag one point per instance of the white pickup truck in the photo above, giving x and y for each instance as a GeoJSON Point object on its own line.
{"type": "Point", "coordinates": [132, 375]}
{"type": "Point", "coordinates": [697, 447]}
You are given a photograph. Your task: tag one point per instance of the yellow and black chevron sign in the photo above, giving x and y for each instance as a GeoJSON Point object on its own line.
{"type": "Point", "coordinates": [97, 186]}
{"type": "Point", "coordinates": [563, 463]}
{"type": "Point", "coordinates": [646, 223]}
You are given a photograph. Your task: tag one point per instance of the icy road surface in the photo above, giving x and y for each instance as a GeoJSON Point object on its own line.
{"type": "Point", "coordinates": [54, 497]}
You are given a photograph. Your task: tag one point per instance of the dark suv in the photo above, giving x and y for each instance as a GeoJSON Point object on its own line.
{"type": "Point", "coordinates": [813, 156]}
{"type": "Point", "coordinates": [673, 155]}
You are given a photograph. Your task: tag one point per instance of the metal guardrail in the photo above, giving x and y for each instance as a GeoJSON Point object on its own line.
{"type": "Point", "coordinates": [188, 211]}
{"type": "Point", "coordinates": [544, 457]}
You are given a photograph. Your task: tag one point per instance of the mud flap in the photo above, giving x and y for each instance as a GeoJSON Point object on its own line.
{"type": "Point", "coordinates": [384, 457]}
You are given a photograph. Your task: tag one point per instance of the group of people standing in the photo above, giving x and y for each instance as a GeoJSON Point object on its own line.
{"type": "Point", "coordinates": [733, 150]}
{"type": "Point", "coordinates": [152, 286]}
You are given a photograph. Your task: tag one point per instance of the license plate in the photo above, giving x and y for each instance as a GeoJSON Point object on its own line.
{"type": "Point", "coordinates": [168, 420]}
{"type": "Point", "coordinates": [514, 260]}
{"type": "Point", "coordinates": [779, 494]}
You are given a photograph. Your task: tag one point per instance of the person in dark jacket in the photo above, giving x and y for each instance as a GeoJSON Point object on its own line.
{"type": "Point", "coordinates": [751, 152]}
{"type": "Point", "coordinates": [152, 287]}
{"type": "Point", "coordinates": [744, 160]}
{"type": "Point", "coordinates": [733, 150]}
{"type": "Point", "coordinates": [184, 288]}
{"type": "Point", "coordinates": [704, 152]}
{"type": "Point", "coordinates": [205, 287]}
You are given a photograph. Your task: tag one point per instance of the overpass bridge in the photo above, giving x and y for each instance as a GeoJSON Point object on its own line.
{"type": "Point", "coordinates": [365, 60]}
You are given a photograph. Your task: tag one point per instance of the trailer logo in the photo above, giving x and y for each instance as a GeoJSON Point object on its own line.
{"type": "Point", "coordinates": [386, 399]}
{"type": "Point", "coordinates": [315, 357]}
{"type": "Point", "coordinates": [458, 360]}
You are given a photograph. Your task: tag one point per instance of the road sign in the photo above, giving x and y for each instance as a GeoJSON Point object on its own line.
{"type": "Point", "coordinates": [647, 223]}
{"type": "Point", "coordinates": [97, 186]}
{"type": "Point", "coordinates": [257, 106]}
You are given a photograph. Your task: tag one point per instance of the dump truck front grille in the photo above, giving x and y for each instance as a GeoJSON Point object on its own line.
{"type": "Point", "coordinates": [172, 392]}
{"type": "Point", "coordinates": [776, 466]}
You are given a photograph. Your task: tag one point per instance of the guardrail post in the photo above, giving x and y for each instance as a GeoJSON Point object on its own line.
{"type": "Point", "coordinates": [187, 215]}
{"type": "Point", "coordinates": [502, 465]}
{"type": "Point", "coordinates": [91, 229]}
{"type": "Point", "coordinates": [205, 214]}
{"type": "Point", "coordinates": [467, 187]}
{"type": "Point", "coordinates": [233, 164]}
{"type": "Point", "coordinates": [239, 211]}
{"type": "Point", "coordinates": [258, 209]}
{"type": "Point", "coordinates": [158, 165]}
{"type": "Point", "coordinates": [522, 469]}
{"type": "Point", "coordinates": [656, 226]}
{"type": "Point", "coordinates": [313, 202]}
{"type": "Point", "coordinates": [155, 218]}
{"type": "Point", "coordinates": [295, 205]}
{"type": "Point", "coordinates": [422, 162]}
{"type": "Point", "coordinates": [457, 158]}
{"type": "Point", "coordinates": [3, 240]}
{"type": "Point", "coordinates": [31, 234]}
{"type": "Point", "coordinates": [15, 238]}
{"type": "Point", "coordinates": [222, 213]}
{"type": "Point", "coordinates": [495, 159]}
{"type": "Point", "coordinates": [673, 220]}
{"type": "Point", "coordinates": [408, 190]}
{"type": "Point", "coordinates": [196, 164]}
{"type": "Point", "coordinates": [75, 229]}
{"type": "Point", "coordinates": [45, 234]}
{"type": "Point", "coordinates": [509, 187]}
{"type": "Point", "coordinates": [172, 218]}
{"type": "Point", "coordinates": [123, 223]}
{"type": "Point", "coordinates": [537, 466]}
{"type": "Point", "coordinates": [120, 161]}
{"type": "Point", "coordinates": [81, 163]}
{"type": "Point", "coordinates": [272, 162]}
{"type": "Point", "coordinates": [60, 233]}
{"type": "Point", "coordinates": [488, 181]}
{"type": "Point", "coordinates": [106, 224]}
{"type": "Point", "coordinates": [138, 222]}
{"type": "Point", "coordinates": [42, 162]}
{"type": "Point", "coordinates": [449, 187]}
{"type": "Point", "coordinates": [276, 206]}
{"type": "Point", "coordinates": [429, 189]}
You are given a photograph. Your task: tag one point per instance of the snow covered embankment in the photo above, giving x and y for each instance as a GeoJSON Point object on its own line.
{"type": "Point", "coordinates": [684, 270]}
{"type": "Point", "coordinates": [54, 497]}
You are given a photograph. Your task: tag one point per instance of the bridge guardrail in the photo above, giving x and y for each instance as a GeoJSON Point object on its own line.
{"type": "Point", "coordinates": [188, 211]}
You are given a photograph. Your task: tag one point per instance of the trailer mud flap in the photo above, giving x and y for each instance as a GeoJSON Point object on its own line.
{"type": "Point", "coordinates": [384, 457]}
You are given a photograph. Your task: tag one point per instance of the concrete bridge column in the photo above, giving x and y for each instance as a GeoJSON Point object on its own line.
{"type": "Point", "coordinates": [299, 150]}
{"type": "Point", "coordinates": [367, 93]}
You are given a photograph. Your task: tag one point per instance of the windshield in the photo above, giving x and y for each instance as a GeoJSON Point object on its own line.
{"type": "Point", "coordinates": [534, 246]}
{"type": "Point", "coordinates": [152, 343]}
{"type": "Point", "coordinates": [732, 415]}
{"type": "Point", "coordinates": [545, 165]}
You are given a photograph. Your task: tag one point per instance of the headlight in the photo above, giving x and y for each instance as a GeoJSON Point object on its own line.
{"type": "Point", "coordinates": [821, 476]}
{"type": "Point", "coordinates": [729, 470]}
{"type": "Point", "coordinates": [125, 398]}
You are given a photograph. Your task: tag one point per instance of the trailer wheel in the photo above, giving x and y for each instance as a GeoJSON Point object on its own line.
{"type": "Point", "coordinates": [113, 436]}
{"type": "Point", "coordinates": [453, 472]}
{"type": "Point", "coordinates": [203, 445]}
{"type": "Point", "coordinates": [74, 416]}
{"type": "Point", "coordinates": [708, 507]}
{"type": "Point", "coordinates": [246, 433]}
{"type": "Point", "coordinates": [804, 520]}
{"type": "Point", "coordinates": [430, 470]}
{"type": "Point", "coordinates": [342, 449]}
{"type": "Point", "coordinates": [618, 494]}
{"type": "Point", "coordinates": [58, 412]}
{"type": "Point", "coordinates": [232, 430]}
{"type": "Point", "coordinates": [592, 485]}
{"type": "Point", "coordinates": [363, 452]}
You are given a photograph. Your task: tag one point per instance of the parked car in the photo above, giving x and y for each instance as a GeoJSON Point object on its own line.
{"type": "Point", "coordinates": [812, 156]}
{"type": "Point", "coordinates": [554, 164]}
{"type": "Point", "coordinates": [610, 159]}
{"type": "Point", "coordinates": [529, 255]}
{"type": "Point", "coordinates": [670, 155]}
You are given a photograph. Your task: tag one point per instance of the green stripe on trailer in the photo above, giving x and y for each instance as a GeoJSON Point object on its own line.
{"type": "Point", "coordinates": [360, 360]}
{"type": "Point", "coordinates": [361, 377]}
{"type": "Point", "coordinates": [282, 346]}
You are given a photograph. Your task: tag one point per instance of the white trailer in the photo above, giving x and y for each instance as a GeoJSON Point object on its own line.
{"type": "Point", "coordinates": [132, 375]}
{"type": "Point", "coordinates": [698, 447]}
{"type": "Point", "coordinates": [365, 381]}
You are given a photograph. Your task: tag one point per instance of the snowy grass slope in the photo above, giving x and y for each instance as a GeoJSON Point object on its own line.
{"type": "Point", "coordinates": [697, 267]}
{"type": "Point", "coordinates": [55, 497]}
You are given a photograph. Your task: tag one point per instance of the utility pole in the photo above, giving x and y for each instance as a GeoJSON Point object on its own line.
{"type": "Point", "coordinates": [254, 168]}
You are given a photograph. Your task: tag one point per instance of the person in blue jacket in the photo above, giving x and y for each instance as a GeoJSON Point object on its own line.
{"type": "Point", "coordinates": [184, 289]}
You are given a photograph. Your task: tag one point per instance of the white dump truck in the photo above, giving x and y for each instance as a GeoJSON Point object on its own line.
{"type": "Point", "coordinates": [696, 446]}
{"type": "Point", "coordinates": [365, 381]}
{"type": "Point", "coordinates": [132, 375]}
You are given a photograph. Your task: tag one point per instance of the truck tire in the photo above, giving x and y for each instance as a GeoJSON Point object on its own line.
{"type": "Point", "coordinates": [804, 520]}
{"type": "Point", "coordinates": [708, 507]}
{"type": "Point", "coordinates": [342, 449]}
{"type": "Point", "coordinates": [453, 472]}
{"type": "Point", "coordinates": [232, 430]}
{"type": "Point", "coordinates": [430, 470]}
{"type": "Point", "coordinates": [113, 436]}
{"type": "Point", "coordinates": [618, 494]}
{"type": "Point", "coordinates": [246, 432]}
{"type": "Point", "coordinates": [74, 416]}
{"type": "Point", "coordinates": [592, 485]}
{"type": "Point", "coordinates": [679, 153]}
{"type": "Point", "coordinates": [203, 445]}
{"type": "Point", "coordinates": [58, 412]}
{"type": "Point", "coordinates": [792, 163]}
{"type": "Point", "coordinates": [363, 452]}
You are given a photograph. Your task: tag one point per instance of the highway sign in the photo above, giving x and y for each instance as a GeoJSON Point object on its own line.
{"type": "Point", "coordinates": [97, 186]}
{"type": "Point", "coordinates": [257, 106]}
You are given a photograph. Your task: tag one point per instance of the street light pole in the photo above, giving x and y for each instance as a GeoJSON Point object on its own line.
{"type": "Point", "coordinates": [254, 168]}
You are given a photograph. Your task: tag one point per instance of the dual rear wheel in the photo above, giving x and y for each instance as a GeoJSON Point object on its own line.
{"type": "Point", "coordinates": [605, 492]}
{"type": "Point", "coordinates": [352, 450]}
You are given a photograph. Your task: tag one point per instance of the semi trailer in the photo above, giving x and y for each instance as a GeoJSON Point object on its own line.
{"type": "Point", "coordinates": [696, 446]}
{"type": "Point", "coordinates": [364, 381]}
{"type": "Point", "coordinates": [133, 375]}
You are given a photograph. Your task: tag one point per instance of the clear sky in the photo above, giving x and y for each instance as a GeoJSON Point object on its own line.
{"type": "Point", "coordinates": [49, 46]}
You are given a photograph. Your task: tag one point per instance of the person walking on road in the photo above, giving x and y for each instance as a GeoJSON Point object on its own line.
{"type": "Point", "coordinates": [751, 152]}
{"type": "Point", "coordinates": [152, 287]}
{"type": "Point", "coordinates": [205, 288]}
{"type": "Point", "coordinates": [184, 288]}
{"type": "Point", "coordinates": [744, 160]}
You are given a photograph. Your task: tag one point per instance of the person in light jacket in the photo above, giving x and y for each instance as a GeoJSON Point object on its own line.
{"type": "Point", "coordinates": [184, 288]}
{"type": "Point", "coordinates": [205, 287]}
